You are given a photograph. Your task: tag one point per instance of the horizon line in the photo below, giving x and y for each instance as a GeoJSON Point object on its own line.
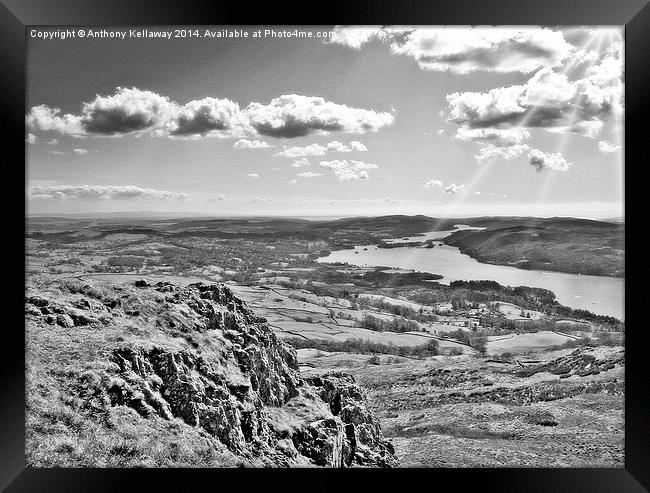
{"type": "Point", "coordinates": [191, 214]}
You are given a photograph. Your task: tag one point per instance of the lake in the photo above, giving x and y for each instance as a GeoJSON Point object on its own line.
{"type": "Point", "coordinates": [598, 294]}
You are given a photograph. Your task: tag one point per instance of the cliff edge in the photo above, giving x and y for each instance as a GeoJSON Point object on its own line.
{"type": "Point", "coordinates": [158, 374]}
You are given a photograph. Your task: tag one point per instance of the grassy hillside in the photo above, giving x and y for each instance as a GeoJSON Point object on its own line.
{"type": "Point", "coordinates": [160, 375]}
{"type": "Point", "coordinates": [557, 244]}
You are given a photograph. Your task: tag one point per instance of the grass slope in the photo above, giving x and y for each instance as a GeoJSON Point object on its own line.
{"type": "Point", "coordinates": [573, 246]}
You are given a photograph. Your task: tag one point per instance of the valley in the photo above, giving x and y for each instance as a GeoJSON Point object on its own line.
{"type": "Point", "coordinates": [479, 368]}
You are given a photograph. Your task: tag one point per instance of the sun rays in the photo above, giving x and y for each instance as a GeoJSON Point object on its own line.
{"type": "Point", "coordinates": [549, 178]}
{"type": "Point", "coordinates": [598, 45]}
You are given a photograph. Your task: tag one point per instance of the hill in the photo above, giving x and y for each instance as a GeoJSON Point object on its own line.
{"type": "Point", "coordinates": [124, 375]}
{"type": "Point", "coordinates": [569, 245]}
{"type": "Point", "coordinates": [561, 244]}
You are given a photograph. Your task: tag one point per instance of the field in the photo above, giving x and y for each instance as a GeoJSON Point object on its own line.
{"type": "Point", "coordinates": [558, 244]}
{"type": "Point", "coordinates": [446, 367]}
{"type": "Point", "coordinates": [464, 412]}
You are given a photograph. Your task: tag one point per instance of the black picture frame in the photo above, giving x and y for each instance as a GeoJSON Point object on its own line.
{"type": "Point", "coordinates": [16, 15]}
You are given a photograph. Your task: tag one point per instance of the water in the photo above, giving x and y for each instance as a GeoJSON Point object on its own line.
{"type": "Point", "coordinates": [598, 294]}
{"type": "Point", "coordinates": [431, 235]}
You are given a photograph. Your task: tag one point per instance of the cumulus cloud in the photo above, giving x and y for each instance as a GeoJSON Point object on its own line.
{"type": "Point", "coordinates": [103, 192]}
{"type": "Point", "coordinates": [490, 153]}
{"type": "Point", "coordinates": [354, 37]}
{"type": "Point", "coordinates": [132, 111]}
{"type": "Point", "coordinates": [336, 146]}
{"type": "Point", "coordinates": [309, 150]}
{"type": "Point", "coordinates": [449, 189]}
{"type": "Point", "coordinates": [320, 150]}
{"type": "Point", "coordinates": [44, 118]}
{"type": "Point", "coordinates": [252, 175]}
{"type": "Point", "coordinates": [309, 174]}
{"type": "Point", "coordinates": [453, 188]}
{"type": "Point", "coordinates": [301, 163]}
{"type": "Point", "coordinates": [541, 160]}
{"type": "Point", "coordinates": [494, 136]}
{"type": "Point", "coordinates": [128, 110]}
{"type": "Point", "coordinates": [31, 138]}
{"type": "Point", "coordinates": [547, 100]}
{"type": "Point", "coordinates": [504, 107]}
{"type": "Point", "coordinates": [218, 198]}
{"type": "Point", "coordinates": [464, 50]}
{"type": "Point", "coordinates": [78, 150]}
{"type": "Point", "coordinates": [347, 170]}
{"type": "Point", "coordinates": [251, 144]}
{"type": "Point", "coordinates": [499, 120]}
{"type": "Point", "coordinates": [606, 147]}
{"type": "Point", "coordinates": [495, 144]}
{"type": "Point", "coordinates": [292, 115]}
{"type": "Point", "coordinates": [207, 116]}
{"type": "Point", "coordinates": [355, 145]}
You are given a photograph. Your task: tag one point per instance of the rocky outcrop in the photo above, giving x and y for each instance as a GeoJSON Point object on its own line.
{"type": "Point", "coordinates": [586, 370]}
{"type": "Point", "coordinates": [580, 362]}
{"type": "Point", "coordinates": [231, 377]}
{"type": "Point", "coordinates": [362, 430]}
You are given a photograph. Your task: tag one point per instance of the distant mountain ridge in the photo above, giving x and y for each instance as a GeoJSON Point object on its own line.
{"type": "Point", "coordinates": [564, 244]}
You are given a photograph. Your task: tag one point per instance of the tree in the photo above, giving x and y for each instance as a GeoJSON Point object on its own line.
{"type": "Point", "coordinates": [479, 342]}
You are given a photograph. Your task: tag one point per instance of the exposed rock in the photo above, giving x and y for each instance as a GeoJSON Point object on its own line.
{"type": "Point", "coordinates": [82, 304]}
{"type": "Point", "coordinates": [164, 287]}
{"type": "Point", "coordinates": [64, 320]}
{"type": "Point", "coordinates": [230, 377]}
{"type": "Point", "coordinates": [36, 301]}
{"type": "Point", "coordinates": [80, 319]}
{"type": "Point", "coordinates": [363, 432]}
{"type": "Point", "coordinates": [580, 362]}
{"type": "Point", "coordinates": [62, 314]}
{"type": "Point", "coordinates": [32, 310]}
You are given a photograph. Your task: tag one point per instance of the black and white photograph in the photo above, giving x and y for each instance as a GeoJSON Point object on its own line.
{"type": "Point", "coordinates": [325, 246]}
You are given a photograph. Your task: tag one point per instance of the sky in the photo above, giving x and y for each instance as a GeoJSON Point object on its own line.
{"type": "Point", "coordinates": [326, 121]}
